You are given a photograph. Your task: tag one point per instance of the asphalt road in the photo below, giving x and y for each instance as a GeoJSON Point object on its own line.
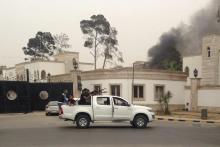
{"type": "Point", "coordinates": [37, 130]}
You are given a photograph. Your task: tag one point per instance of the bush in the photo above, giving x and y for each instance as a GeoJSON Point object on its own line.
{"type": "Point", "coordinates": [164, 103]}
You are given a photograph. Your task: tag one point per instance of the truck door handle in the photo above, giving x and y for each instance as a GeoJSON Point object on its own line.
{"type": "Point", "coordinates": [115, 108]}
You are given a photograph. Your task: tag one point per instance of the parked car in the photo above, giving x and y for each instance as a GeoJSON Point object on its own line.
{"type": "Point", "coordinates": [107, 108]}
{"type": "Point", "coordinates": [52, 107]}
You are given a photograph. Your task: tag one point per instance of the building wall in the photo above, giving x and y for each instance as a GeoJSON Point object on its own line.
{"type": "Point", "coordinates": [175, 87]}
{"type": "Point", "coordinates": [52, 68]}
{"type": "Point", "coordinates": [9, 74]}
{"type": "Point", "coordinates": [173, 82]}
{"type": "Point", "coordinates": [62, 78]}
{"type": "Point", "coordinates": [219, 69]}
{"type": "Point", "coordinates": [86, 66]}
{"type": "Point", "coordinates": [210, 65]}
{"type": "Point", "coordinates": [187, 97]}
{"type": "Point", "coordinates": [63, 64]}
{"type": "Point", "coordinates": [67, 59]}
{"type": "Point", "coordinates": [192, 62]}
{"type": "Point", "coordinates": [20, 71]}
{"type": "Point", "coordinates": [209, 97]}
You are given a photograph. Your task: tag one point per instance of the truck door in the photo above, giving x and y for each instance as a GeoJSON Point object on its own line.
{"type": "Point", "coordinates": [102, 109]}
{"type": "Point", "coordinates": [121, 109]}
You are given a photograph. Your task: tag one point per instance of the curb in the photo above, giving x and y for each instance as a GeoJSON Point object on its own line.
{"type": "Point", "coordinates": [186, 120]}
{"type": "Point", "coordinates": [4, 115]}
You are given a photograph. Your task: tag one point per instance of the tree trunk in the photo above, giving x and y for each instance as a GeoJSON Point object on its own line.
{"type": "Point", "coordinates": [103, 67]}
{"type": "Point", "coordinates": [95, 51]}
{"type": "Point", "coordinates": [167, 112]}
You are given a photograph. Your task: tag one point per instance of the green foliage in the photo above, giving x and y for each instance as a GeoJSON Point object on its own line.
{"type": "Point", "coordinates": [61, 42]}
{"type": "Point", "coordinates": [97, 24]}
{"type": "Point", "coordinates": [172, 65]}
{"type": "Point", "coordinates": [42, 46]}
{"type": "Point", "coordinates": [100, 37]}
{"type": "Point", "coordinates": [94, 30]}
{"type": "Point", "coordinates": [164, 102]}
{"type": "Point", "coordinates": [111, 48]}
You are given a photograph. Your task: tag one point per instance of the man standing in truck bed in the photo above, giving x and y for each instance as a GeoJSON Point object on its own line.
{"type": "Point", "coordinates": [85, 98]}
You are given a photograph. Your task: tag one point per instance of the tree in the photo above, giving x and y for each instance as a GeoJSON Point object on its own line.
{"type": "Point", "coordinates": [111, 47]}
{"type": "Point", "coordinates": [61, 42]}
{"type": "Point", "coordinates": [94, 30]}
{"type": "Point", "coordinates": [164, 102]}
{"type": "Point", "coordinates": [42, 46]}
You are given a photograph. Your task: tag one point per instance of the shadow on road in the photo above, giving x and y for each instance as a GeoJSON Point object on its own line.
{"type": "Point", "coordinates": [106, 127]}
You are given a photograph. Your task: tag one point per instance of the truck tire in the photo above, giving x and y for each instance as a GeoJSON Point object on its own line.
{"type": "Point", "coordinates": [140, 121]}
{"type": "Point", "coordinates": [82, 121]}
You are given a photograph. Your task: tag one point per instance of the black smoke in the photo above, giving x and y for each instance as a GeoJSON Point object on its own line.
{"type": "Point", "coordinates": [187, 39]}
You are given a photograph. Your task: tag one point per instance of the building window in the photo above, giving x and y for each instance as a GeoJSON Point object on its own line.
{"type": "Point", "coordinates": [43, 74]}
{"type": "Point", "coordinates": [115, 90]}
{"type": "Point", "coordinates": [138, 92]}
{"type": "Point", "coordinates": [186, 70]}
{"type": "Point", "coordinates": [209, 52]}
{"type": "Point", "coordinates": [158, 92]}
{"type": "Point", "coordinates": [97, 88]}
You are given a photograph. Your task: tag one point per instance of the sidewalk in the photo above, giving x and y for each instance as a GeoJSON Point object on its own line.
{"type": "Point", "coordinates": [190, 116]}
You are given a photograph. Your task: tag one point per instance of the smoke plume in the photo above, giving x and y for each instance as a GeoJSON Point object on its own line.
{"type": "Point", "coordinates": [187, 39]}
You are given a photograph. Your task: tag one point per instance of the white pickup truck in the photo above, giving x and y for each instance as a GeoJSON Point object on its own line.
{"type": "Point", "coordinates": [107, 108]}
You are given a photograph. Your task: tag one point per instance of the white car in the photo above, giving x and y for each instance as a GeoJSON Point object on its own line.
{"type": "Point", "coordinates": [52, 108]}
{"type": "Point", "coordinates": [107, 108]}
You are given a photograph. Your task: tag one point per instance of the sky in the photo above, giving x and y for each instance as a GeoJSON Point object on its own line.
{"type": "Point", "coordinates": [139, 23]}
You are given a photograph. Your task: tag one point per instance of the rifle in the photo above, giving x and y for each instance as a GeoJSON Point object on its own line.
{"type": "Point", "coordinates": [98, 92]}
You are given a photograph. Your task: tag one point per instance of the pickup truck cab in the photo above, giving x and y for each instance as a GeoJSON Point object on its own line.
{"type": "Point", "coordinates": [107, 108]}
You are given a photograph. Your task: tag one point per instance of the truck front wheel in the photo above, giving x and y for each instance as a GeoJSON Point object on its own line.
{"type": "Point", "coordinates": [132, 123]}
{"type": "Point", "coordinates": [82, 121]}
{"type": "Point", "coordinates": [140, 121]}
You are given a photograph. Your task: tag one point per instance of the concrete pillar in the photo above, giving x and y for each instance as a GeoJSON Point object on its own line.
{"type": "Point", "coordinates": [74, 75]}
{"type": "Point", "coordinates": [195, 83]}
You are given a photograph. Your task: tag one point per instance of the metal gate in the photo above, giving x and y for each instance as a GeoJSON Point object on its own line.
{"type": "Point", "coordinates": [16, 96]}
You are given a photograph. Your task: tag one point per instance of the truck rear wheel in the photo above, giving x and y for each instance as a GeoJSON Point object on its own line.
{"type": "Point", "coordinates": [140, 121]}
{"type": "Point", "coordinates": [82, 121]}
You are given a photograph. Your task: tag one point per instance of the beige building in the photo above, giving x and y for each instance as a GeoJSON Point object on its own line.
{"type": "Point", "coordinates": [41, 70]}
{"type": "Point", "coordinates": [143, 86]}
{"type": "Point", "coordinates": [204, 91]}
{"type": "Point", "coordinates": [207, 64]}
